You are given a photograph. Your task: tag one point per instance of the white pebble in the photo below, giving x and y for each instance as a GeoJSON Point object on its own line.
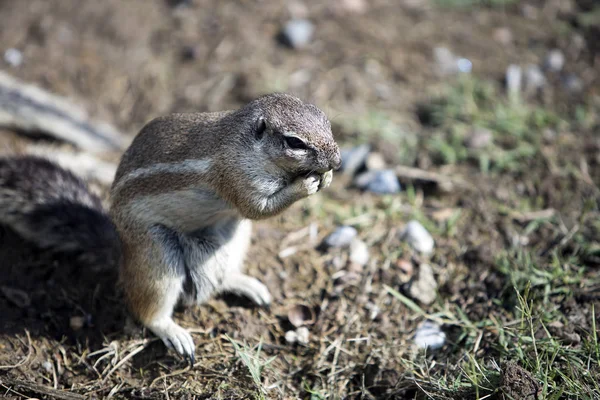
{"type": "Point", "coordinates": [291, 337]}
{"type": "Point", "coordinates": [341, 237]}
{"type": "Point", "coordinates": [513, 79]}
{"type": "Point", "coordinates": [429, 335]}
{"type": "Point", "coordinates": [555, 60]}
{"type": "Point", "coordinates": [298, 32]}
{"type": "Point", "coordinates": [303, 334]}
{"type": "Point", "coordinates": [359, 252]}
{"type": "Point", "coordinates": [13, 57]}
{"type": "Point", "coordinates": [417, 236]}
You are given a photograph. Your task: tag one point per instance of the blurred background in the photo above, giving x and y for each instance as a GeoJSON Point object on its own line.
{"type": "Point", "coordinates": [485, 113]}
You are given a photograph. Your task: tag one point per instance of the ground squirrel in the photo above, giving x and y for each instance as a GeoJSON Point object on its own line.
{"type": "Point", "coordinates": [186, 190]}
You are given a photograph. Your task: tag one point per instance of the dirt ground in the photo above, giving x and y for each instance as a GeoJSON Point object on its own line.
{"type": "Point", "coordinates": [517, 249]}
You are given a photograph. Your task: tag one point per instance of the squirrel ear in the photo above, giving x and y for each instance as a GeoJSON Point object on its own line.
{"type": "Point", "coordinates": [261, 126]}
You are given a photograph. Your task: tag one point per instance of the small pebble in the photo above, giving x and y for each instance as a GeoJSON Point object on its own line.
{"type": "Point", "coordinates": [291, 337]}
{"type": "Point", "coordinates": [417, 236]}
{"type": "Point", "coordinates": [380, 182]}
{"type": "Point", "coordinates": [429, 335]}
{"type": "Point", "coordinates": [47, 366]}
{"type": "Point", "coordinates": [555, 61]}
{"type": "Point", "coordinates": [297, 33]}
{"type": "Point", "coordinates": [353, 159]}
{"type": "Point", "coordinates": [77, 323]}
{"type": "Point", "coordinates": [341, 237]}
{"type": "Point", "coordinates": [572, 83]}
{"type": "Point", "coordinates": [448, 64]}
{"type": "Point", "coordinates": [445, 61]}
{"type": "Point", "coordinates": [375, 162]}
{"type": "Point", "coordinates": [424, 287]}
{"type": "Point", "coordinates": [513, 79]}
{"type": "Point", "coordinates": [534, 78]}
{"type": "Point", "coordinates": [479, 138]}
{"type": "Point", "coordinates": [359, 252]}
{"type": "Point", "coordinates": [303, 335]}
{"type": "Point", "coordinates": [13, 57]}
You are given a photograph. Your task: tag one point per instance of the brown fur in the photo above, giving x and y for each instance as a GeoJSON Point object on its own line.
{"type": "Point", "coordinates": [234, 170]}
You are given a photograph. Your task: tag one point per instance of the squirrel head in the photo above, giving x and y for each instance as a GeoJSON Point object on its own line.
{"type": "Point", "coordinates": [294, 135]}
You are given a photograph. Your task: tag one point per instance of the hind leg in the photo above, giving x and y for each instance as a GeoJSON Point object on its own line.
{"type": "Point", "coordinates": [153, 275]}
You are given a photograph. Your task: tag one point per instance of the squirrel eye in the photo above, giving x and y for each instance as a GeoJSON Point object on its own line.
{"type": "Point", "coordinates": [261, 126]}
{"type": "Point", "coordinates": [295, 143]}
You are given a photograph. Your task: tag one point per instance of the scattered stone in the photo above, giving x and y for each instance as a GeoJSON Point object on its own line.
{"type": "Point", "coordinates": [513, 79]}
{"type": "Point", "coordinates": [424, 287]}
{"type": "Point", "coordinates": [555, 61]}
{"type": "Point", "coordinates": [291, 337]}
{"type": "Point", "coordinates": [503, 36]}
{"type": "Point", "coordinates": [430, 336]}
{"type": "Point", "coordinates": [13, 57]}
{"type": "Point", "coordinates": [297, 33]}
{"type": "Point", "coordinates": [417, 236]}
{"type": "Point", "coordinates": [375, 162]}
{"type": "Point", "coordinates": [448, 64]}
{"type": "Point", "coordinates": [534, 78]}
{"type": "Point", "coordinates": [77, 323]}
{"type": "Point", "coordinates": [16, 296]}
{"type": "Point", "coordinates": [572, 83]}
{"type": "Point", "coordinates": [380, 182]}
{"type": "Point", "coordinates": [354, 159]}
{"type": "Point", "coordinates": [300, 315]}
{"type": "Point", "coordinates": [359, 252]}
{"type": "Point", "coordinates": [341, 237]}
{"type": "Point", "coordinates": [303, 335]}
{"type": "Point", "coordinates": [47, 366]}
{"type": "Point", "coordinates": [464, 65]}
{"type": "Point", "coordinates": [373, 310]}
{"type": "Point", "coordinates": [479, 138]}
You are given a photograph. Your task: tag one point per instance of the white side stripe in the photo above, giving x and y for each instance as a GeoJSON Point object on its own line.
{"type": "Point", "coordinates": [186, 166]}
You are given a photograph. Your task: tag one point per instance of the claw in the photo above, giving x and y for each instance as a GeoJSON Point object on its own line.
{"type": "Point", "coordinates": [191, 360]}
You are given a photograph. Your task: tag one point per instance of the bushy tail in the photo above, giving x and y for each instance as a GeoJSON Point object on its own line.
{"type": "Point", "coordinates": [54, 209]}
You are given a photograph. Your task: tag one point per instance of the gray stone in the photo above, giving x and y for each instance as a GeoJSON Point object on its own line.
{"type": "Point", "coordinates": [380, 182]}
{"type": "Point", "coordinates": [429, 336]}
{"type": "Point", "coordinates": [341, 237]}
{"type": "Point", "coordinates": [534, 78]}
{"type": "Point", "coordinates": [424, 287]}
{"type": "Point", "coordinates": [572, 83]}
{"type": "Point", "coordinates": [297, 33]}
{"type": "Point", "coordinates": [417, 236]}
{"type": "Point", "coordinates": [449, 64]}
{"type": "Point", "coordinates": [555, 61]}
{"type": "Point", "coordinates": [354, 158]}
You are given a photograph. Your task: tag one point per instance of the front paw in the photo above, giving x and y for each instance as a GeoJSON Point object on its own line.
{"type": "Point", "coordinates": [326, 179]}
{"type": "Point", "coordinates": [311, 184]}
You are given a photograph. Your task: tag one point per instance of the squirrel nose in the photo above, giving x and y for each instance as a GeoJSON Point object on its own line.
{"type": "Point", "coordinates": [336, 161]}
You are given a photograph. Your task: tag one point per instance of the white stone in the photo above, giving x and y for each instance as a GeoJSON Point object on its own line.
{"type": "Point", "coordinates": [429, 335]}
{"type": "Point", "coordinates": [417, 236]}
